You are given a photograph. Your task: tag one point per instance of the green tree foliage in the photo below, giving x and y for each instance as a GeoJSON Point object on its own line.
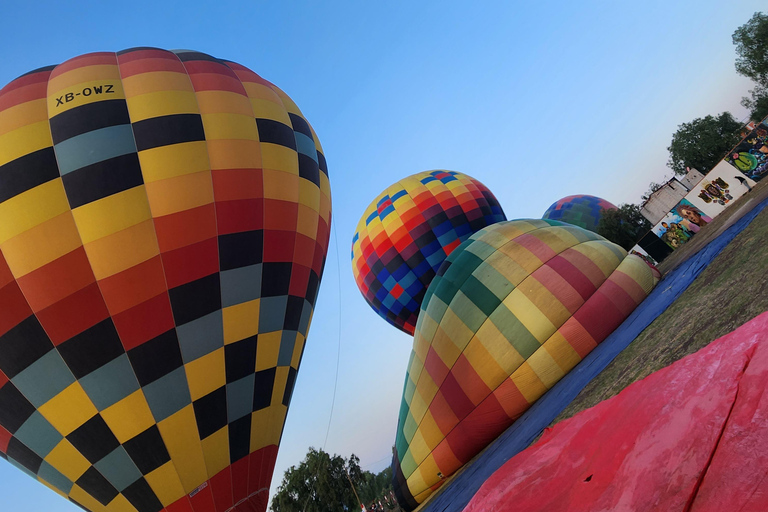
{"type": "Point", "coordinates": [321, 483]}
{"type": "Point", "coordinates": [751, 40]}
{"type": "Point", "coordinates": [703, 142]}
{"type": "Point", "coordinates": [623, 226]}
{"type": "Point", "coordinates": [757, 104]}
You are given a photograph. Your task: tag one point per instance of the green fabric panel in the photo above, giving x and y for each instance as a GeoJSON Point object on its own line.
{"type": "Point", "coordinates": [515, 332]}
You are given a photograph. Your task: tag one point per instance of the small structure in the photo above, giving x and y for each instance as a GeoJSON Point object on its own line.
{"type": "Point", "coordinates": [663, 200]}
{"type": "Point", "coordinates": [691, 179]}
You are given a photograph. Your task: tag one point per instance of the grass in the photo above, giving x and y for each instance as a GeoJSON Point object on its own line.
{"type": "Point", "coordinates": [730, 291]}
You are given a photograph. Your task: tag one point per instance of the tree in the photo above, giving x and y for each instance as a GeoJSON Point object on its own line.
{"type": "Point", "coordinates": [703, 142]}
{"type": "Point", "coordinates": [758, 103]}
{"type": "Point", "coordinates": [323, 483]}
{"type": "Point", "coordinates": [623, 226]}
{"type": "Point", "coordinates": [751, 40]}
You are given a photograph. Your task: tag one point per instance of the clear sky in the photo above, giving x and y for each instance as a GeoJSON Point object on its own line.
{"type": "Point", "coordinates": [538, 100]}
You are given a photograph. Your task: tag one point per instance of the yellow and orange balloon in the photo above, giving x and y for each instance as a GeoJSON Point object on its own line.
{"type": "Point", "coordinates": [164, 221]}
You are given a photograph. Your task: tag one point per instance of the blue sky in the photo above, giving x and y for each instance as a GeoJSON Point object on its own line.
{"type": "Point", "coordinates": [538, 100]}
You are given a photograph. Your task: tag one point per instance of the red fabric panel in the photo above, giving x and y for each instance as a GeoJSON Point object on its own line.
{"type": "Point", "coordinates": [73, 314]}
{"type": "Point", "coordinates": [202, 501]}
{"type": "Point", "coordinates": [240, 479]}
{"type": "Point", "coordinates": [649, 447]}
{"type": "Point", "coordinates": [221, 487]}
{"type": "Point", "coordinates": [192, 262]}
{"type": "Point", "coordinates": [143, 322]}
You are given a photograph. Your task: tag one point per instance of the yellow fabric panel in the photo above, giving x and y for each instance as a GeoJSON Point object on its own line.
{"type": "Point", "coordinates": [165, 482]}
{"type": "Point", "coordinates": [120, 504]}
{"type": "Point", "coordinates": [180, 193]}
{"type": "Point", "coordinates": [213, 102]}
{"type": "Point", "coordinates": [41, 244]}
{"type": "Point", "coordinates": [25, 140]}
{"type": "Point", "coordinates": [444, 347]}
{"type": "Point", "coordinates": [112, 89]}
{"type": "Point", "coordinates": [266, 109]}
{"type": "Point", "coordinates": [275, 156]}
{"type": "Point", "coordinates": [206, 374]}
{"type": "Point", "coordinates": [111, 214]}
{"type": "Point", "coordinates": [266, 425]}
{"type": "Point", "coordinates": [288, 103]}
{"type": "Point", "coordinates": [600, 255]}
{"type": "Point", "coordinates": [562, 352]}
{"type": "Point", "coordinates": [418, 406]}
{"type": "Point", "coordinates": [543, 299]}
{"type": "Point", "coordinates": [426, 326]}
{"type": "Point", "coordinates": [278, 389]}
{"type": "Point", "coordinates": [69, 409]}
{"type": "Point", "coordinates": [129, 417]}
{"type": "Point", "coordinates": [522, 256]}
{"type": "Point", "coordinates": [545, 367]}
{"type": "Point", "coordinates": [298, 348]}
{"type": "Point", "coordinates": [309, 195]}
{"type": "Point", "coordinates": [234, 154]}
{"type": "Point", "coordinates": [258, 91]}
{"type": "Point", "coordinates": [457, 331]}
{"type": "Point", "coordinates": [174, 160]}
{"type": "Point", "coordinates": [122, 250]}
{"type": "Point", "coordinates": [528, 383]}
{"type": "Point", "coordinates": [502, 352]}
{"type": "Point", "coordinates": [83, 74]}
{"type": "Point", "coordinates": [528, 313]}
{"type": "Point", "coordinates": [230, 126]}
{"type": "Point", "coordinates": [267, 350]}
{"type": "Point", "coordinates": [161, 103]}
{"type": "Point", "coordinates": [21, 115]}
{"type": "Point", "coordinates": [180, 435]}
{"type": "Point", "coordinates": [429, 471]}
{"type": "Point", "coordinates": [31, 208]}
{"type": "Point", "coordinates": [216, 451]}
{"type": "Point", "coordinates": [325, 197]}
{"type": "Point", "coordinates": [68, 460]}
{"type": "Point", "coordinates": [431, 432]}
{"type": "Point", "coordinates": [241, 321]}
{"type": "Point", "coordinates": [408, 465]}
{"type": "Point", "coordinates": [156, 81]}
{"type": "Point", "coordinates": [307, 220]}
{"type": "Point", "coordinates": [419, 448]}
{"type": "Point", "coordinates": [484, 364]}
{"type": "Point", "coordinates": [426, 387]}
{"type": "Point", "coordinates": [281, 185]}
{"type": "Point", "coordinates": [415, 367]}
{"type": "Point", "coordinates": [85, 499]}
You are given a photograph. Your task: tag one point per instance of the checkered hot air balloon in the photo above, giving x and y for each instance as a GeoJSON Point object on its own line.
{"type": "Point", "coordinates": [163, 229]}
{"type": "Point", "coordinates": [511, 311]}
{"type": "Point", "coordinates": [407, 232]}
{"type": "Point", "coordinates": [579, 210]}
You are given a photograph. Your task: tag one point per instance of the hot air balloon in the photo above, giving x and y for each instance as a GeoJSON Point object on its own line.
{"type": "Point", "coordinates": [512, 310]}
{"type": "Point", "coordinates": [580, 210]}
{"type": "Point", "coordinates": [406, 233]}
{"type": "Point", "coordinates": [163, 229]}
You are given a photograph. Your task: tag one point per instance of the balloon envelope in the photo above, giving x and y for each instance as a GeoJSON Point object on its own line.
{"type": "Point", "coordinates": [406, 233]}
{"type": "Point", "coordinates": [511, 311]}
{"type": "Point", "coordinates": [579, 210]}
{"type": "Point", "coordinates": [163, 229]}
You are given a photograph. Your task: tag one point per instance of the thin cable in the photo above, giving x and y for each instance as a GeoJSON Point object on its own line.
{"type": "Point", "coordinates": [338, 350]}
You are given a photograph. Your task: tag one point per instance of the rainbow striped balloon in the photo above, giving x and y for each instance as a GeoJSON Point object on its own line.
{"type": "Point", "coordinates": [580, 210]}
{"type": "Point", "coordinates": [511, 311]}
{"type": "Point", "coordinates": [407, 232]}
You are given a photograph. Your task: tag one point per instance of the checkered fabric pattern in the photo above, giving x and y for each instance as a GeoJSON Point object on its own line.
{"type": "Point", "coordinates": [580, 210]}
{"type": "Point", "coordinates": [406, 233]}
{"type": "Point", "coordinates": [511, 311]}
{"type": "Point", "coordinates": [163, 229]}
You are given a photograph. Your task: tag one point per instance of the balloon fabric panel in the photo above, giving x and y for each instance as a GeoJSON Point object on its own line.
{"type": "Point", "coordinates": [406, 233]}
{"type": "Point", "coordinates": [511, 311]}
{"type": "Point", "coordinates": [580, 210]}
{"type": "Point", "coordinates": [165, 224]}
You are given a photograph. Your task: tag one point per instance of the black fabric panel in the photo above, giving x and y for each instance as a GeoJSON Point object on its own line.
{"type": "Point", "coordinates": [156, 358]}
{"type": "Point", "coordinates": [275, 279]}
{"type": "Point", "coordinates": [276, 132]}
{"type": "Point", "coordinates": [239, 438]}
{"type": "Point", "coordinates": [92, 348]}
{"type": "Point", "coordinates": [15, 409]}
{"type": "Point", "coordinates": [293, 313]}
{"type": "Point", "coordinates": [97, 486]}
{"type": "Point", "coordinates": [38, 70]}
{"type": "Point", "coordinates": [27, 172]}
{"type": "Point", "coordinates": [185, 56]}
{"type": "Point", "coordinates": [312, 286]}
{"type": "Point", "coordinates": [138, 49]}
{"type": "Point", "coordinates": [241, 249]}
{"type": "Point", "coordinates": [102, 179]}
{"type": "Point", "coordinates": [322, 163]}
{"type": "Point", "coordinates": [94, 439]}
{"type": "Point", "coordinates": [211, 412]}
{"type": "Point", "coordinates": [87, 118]}
{"type": "Point", "coordinates": [240, 358]}
{"type": "Point", "coordinates": [289, 386]}
{"type": "Point", "coordinates": [23, 455]}
{"type": "Point", "coordinates": [308, 169]}
{"type": "Point", "coordinates": [78, 504]}
{"type": "Point", "coordinates": [142, 497]}
{"type": "Point", "coordinates": [167, 130]}
{"type": "Point", "coordinates": [193, 300]}
{"type": "Point", "coordinates": [147, 450]}
{"type": "Point", "coordinates": [22, 345]}
{"type": "Point", "coordinates": [262, 388]}
{"type": "Point", "coordinates": [301, 125]}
